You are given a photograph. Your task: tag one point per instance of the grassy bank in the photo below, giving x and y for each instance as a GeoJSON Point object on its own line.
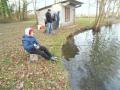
{"type": "Point", "coordinates": [85, 21]}
{"type": "Point", "coordinates": [16, 72]}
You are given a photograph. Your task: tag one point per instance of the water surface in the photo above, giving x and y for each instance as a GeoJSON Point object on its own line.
{"type": "Point", "coordinates": [93, 59]}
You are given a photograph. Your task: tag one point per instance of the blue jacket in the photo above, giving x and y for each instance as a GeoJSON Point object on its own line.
{"type": "Point", "coordinates": [28, 43]}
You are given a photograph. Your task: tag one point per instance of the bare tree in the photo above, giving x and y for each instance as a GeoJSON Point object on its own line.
{"type": "Point", "coordinates": [24, 10]}
{"type": "Point", "coordinates": [34, 7]}
{"type": "Point", "coordinates": [19, 10]}
{"type": "Point", "coordinates": [103, 10]}
{"type": "Point", "coordinates": [100, 11]}
{"type": "Point", "coordinates": [117, 13]}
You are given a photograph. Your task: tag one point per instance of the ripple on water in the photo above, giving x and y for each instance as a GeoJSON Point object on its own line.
{"type": "Point", "coordinates": [93, 60]}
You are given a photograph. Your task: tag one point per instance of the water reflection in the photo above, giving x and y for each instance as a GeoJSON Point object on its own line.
{"type": "Point", "coordinates": [69, 49]}
{"type": "Point", "coordinates": [96, 64]}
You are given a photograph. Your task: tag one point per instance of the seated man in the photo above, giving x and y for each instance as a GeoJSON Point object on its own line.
{"type": "Point", "coordinates": [31, 45]}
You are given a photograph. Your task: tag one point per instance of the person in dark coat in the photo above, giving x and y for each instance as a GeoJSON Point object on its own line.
{"type": "Point", "coordinates": [57, 20]}
{"type": "Point", "coordinates": [32, 46]}
{"type": "Point", "coordinates": [49, 21]}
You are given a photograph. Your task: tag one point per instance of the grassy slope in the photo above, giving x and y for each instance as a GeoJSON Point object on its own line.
{"type": "Point", "coordinates": [15, 70]}
{"type": "Point", "coordinates": [84, 21]}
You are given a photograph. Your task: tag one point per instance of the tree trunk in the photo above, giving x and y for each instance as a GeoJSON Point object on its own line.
{"type": "Point", "coordinates": [101, 6]}
{"type": "Point", "coordinates": [24, 10]}
{"type": "Point", "coordinates": [19, 11]}
{"type": "Point", "coordinates": [34, 7]}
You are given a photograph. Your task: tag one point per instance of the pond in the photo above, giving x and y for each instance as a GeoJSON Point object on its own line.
{"type": "Point", "coordinates": [93, 59]}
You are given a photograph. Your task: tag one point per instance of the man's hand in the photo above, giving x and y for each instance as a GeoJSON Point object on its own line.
{"type": "Point", "coordinates": [36, 46]}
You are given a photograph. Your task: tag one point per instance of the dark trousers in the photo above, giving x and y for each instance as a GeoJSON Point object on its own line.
{"type": "Point", "coordinates": [43, 51]}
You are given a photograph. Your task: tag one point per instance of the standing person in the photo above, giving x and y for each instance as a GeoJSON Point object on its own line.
{"type": "Point", "coordinates": [54, 20]}
{"type": "Point", "coordinates": [31, 45]}
{"type": "Point", "coordinates": [57, 20]}
{"type": "Point", "coordinates": [49, 21]}
{"type": "Point", "coordinates": [45, 25]}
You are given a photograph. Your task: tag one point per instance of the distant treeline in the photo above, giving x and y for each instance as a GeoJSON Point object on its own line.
{"type": "Point", "coordinates": [15, 10]}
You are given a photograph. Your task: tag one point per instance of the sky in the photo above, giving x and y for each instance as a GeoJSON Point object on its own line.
{"type": "Point", "coordinates": [88, 8]}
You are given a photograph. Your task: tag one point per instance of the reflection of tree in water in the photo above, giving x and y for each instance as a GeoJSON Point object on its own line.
{"type": "Point", "coordinates": [69, 50]}
{"type": "Point", "coordinates": [102, 65]}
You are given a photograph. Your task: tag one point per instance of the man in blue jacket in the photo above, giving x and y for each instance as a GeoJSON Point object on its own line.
{"type": "Point", "coordinates": [31, 45]}
{"type": "Point", "coordinates": [57, 20]}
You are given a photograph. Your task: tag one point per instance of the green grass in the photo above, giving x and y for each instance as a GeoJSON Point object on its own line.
{"type": "Point", "coordinates": [84, 21]}
{"type": "Point", "coordinates": [14, 66]}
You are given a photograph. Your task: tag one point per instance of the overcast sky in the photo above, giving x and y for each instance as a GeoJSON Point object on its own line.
{"type": "Point", "coordinates": [88, 8]}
